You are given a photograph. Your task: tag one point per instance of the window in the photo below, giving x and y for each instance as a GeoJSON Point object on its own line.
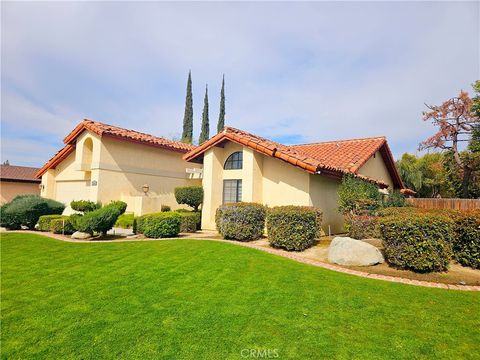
{"type": "Point", "coordinates": [232, 191]}
{"type": "Point", "coordinates": [234, 161]}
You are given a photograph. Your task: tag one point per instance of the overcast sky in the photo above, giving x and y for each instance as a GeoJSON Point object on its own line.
{"type": "Point", "coordinates": [294, 72]}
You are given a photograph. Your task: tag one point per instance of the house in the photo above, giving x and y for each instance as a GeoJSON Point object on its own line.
{"type": "Point", "coordinates": [239, 166]}
{"type": "Point", "coordinates": [101, 162]}
{"type": "Point", "coordinates": [17, 180]}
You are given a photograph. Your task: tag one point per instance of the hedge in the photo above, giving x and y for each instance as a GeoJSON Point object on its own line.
{"type": "Point", "coordinates": [418, 241]}
{"type": "Point", "coordinates": [25, 210]}
{"type": "Point", "coordinates": [292, 227]}
{"type": "Point", "coordinates": [44, 221]}
{"type": "Point", "coordinates": [101, 220]}
{"type": "Point", "coordinates": [125, 221]}
{"type": "Point", "coordinates": [62, 225]}
{"type": "Point", "coordinates": [241, 221]}
{"type": "Point", "coordinates": [363, 227]}
{"type": "Point", "coordinates": [466, 246]}
{"type": "Point", "coordinates": [190, 221]}
{"type": "Point", "coordinates": [159, 225]}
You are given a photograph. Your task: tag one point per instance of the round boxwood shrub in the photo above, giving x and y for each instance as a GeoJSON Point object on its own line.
{"type": "Point", "coordinates": [160, 225]}
{"type": "Point", "coordinates": [125, 221]}
{"type": "Point", "coordinates": [466, 246]}
{"type": "Point", "coordinates": [85, 206]}
{"type": "Point", "coordinates": [44, 221]}
{"type": "Point", "coordinates": [418, 241]}
{"type": "Point", "coordinates": [241, 221]}
{"type": "Point", "coordinates": [25, 210]}
{"type": "Point", "coordinates": [101, 220]}
{"type": "Point", "coordinates": [292, 228]}
{"type": "Point", "coordinates": [62, 225]}
{"type": "Point", "coordinates": [189, 195]}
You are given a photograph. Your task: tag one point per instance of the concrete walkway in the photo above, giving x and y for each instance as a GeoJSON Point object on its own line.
{"type": "Point", "coordinates": [204, 235]}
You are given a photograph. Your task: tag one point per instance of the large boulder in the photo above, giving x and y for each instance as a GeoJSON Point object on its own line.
{"type": "Point", "coordinates": [348, 251]}
{"type": "Point", "coordinates": [81, 235]}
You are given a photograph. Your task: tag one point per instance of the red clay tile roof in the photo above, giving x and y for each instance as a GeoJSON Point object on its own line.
{"type": "Point", "coordinates": [18, 173]}
{"type": "Point", "coordinates": [115, 132]}
{"type": "Point", "coordinates": [334, 158]}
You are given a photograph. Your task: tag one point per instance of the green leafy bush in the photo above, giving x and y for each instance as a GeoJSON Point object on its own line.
{"type": "Point", "coordinates": [357, 196]}
{"type": "Point", "coordinates": [159, 225]}
{"type": "Point", "coordinates": [292, 228]}
{"type": "Point", "coordinates": [101, 220]}
{"type": "Point", "coordinates": [44, 221]}
{"type": "Point", "coordinates": [241, 221]}
{"type": "Point", "coordinates": [363, 227]}
{"type": "Point", "coordinates": [395, 199]}
{"type": "Point", "coordinates": [189, 195]}
{"type": "Point", "coordinates": [418, 241]}
{"type": "Point", "coordinates": [25, 210]}
{"type": "Point", "coordinates": [466, 246]}
{"type": "Point", "coordinates": [74, 220]}
{"type": "Point", "coordinates": [85, 206]}
{"type": "Point", "coordinates": [62, 225]}
{"type": "Point", "coordinates": [190, 221]}
{"type": "Point", "coordinates": [165, 208]}
{"type": "Point", "coordinates": [125, 221]}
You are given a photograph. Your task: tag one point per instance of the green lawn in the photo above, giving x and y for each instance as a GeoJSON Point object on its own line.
{"type": "Point", "coordinates": [209, 300]}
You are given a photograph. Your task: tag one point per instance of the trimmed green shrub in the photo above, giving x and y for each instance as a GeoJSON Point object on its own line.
{"type": "Point", "coordinates": [85, 206]}
{"type": "Point", "coordinates": [44, 221]}
{"type": "Point", "coordinates": [292, 228]}
{"type": "Point", "coordinates": [134, 226]}
{"type": "Point", "coordinates": [363, 227]}
{"type": "Point", "coordinates": [190, 221]}
{"type": "Point", "coordinates": [418, 241]}
{"type": "Point", "coordinates": [466, 246]}
{"type": "Point", "coordinates": [25, 210]}
{"type": "Point", "coordinates": [356, 196]}
{"type": "Point", "coordinates": [165, 208]}
{"type": "Point", "coordinates": [62, 225]}
{"type": "Point", "coordinates": [74, 220]}
{"type": "Point", "coordinates": [101, 220]}
{"type": "Point", "coordinates": [160, 225]}
{"type": "Point", "coordinates": [241, 221]}
{"type": "Point", "coordinates": [189, 195]}
{"type": "Point", "coordinates": [125, 221]}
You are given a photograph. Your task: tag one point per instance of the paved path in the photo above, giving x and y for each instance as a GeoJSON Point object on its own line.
{"type": "Point", "coordinates": [289, 255]}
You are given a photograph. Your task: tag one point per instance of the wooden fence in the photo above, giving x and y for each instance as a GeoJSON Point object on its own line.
{"type": "Point", "coordinates": [455, 204]}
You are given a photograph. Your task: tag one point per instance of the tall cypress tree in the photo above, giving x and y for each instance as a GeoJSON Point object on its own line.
{"type": "Point", "coordinates": [205, 133]}
{"type": "Point", "coordinates": [221, 116]}
{"type": "Point", "coordinates": [187, 134]}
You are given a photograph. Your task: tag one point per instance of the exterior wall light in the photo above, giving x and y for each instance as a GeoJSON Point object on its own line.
{"type": "Point", "coordinates": [145, 188]}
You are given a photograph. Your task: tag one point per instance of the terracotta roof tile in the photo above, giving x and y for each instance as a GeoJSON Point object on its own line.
{"type": "Point", "coordinates": [330, 158]}
{"type": "Point", "coordinates": [115, 132]}
{"type": "Point", "coordinates": [18, 173]}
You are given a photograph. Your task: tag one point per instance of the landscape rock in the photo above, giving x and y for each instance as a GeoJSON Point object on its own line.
{"type": "Point", "coordinates": [348, 251]}
{"type": "Point", "coordinates": [81, 235]}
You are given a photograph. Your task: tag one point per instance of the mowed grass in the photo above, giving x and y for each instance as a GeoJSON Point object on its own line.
{"type": "Point", "coordinates": [187, 299]}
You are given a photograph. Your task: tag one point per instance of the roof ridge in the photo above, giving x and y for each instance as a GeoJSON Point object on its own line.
{"type": "Point", "coordinates": [341, 140]}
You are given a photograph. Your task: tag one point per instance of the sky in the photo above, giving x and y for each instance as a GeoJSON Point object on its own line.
{"type": "Point", "coordinates": [294, 72]}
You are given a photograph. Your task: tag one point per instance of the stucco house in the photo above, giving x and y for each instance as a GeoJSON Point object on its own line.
{"type": "Point", "coordinates": [101, 162]}
{"type": "Point", "coordinates": [239, 166]}
{"type": "Point", "coordinates": [17, 180]}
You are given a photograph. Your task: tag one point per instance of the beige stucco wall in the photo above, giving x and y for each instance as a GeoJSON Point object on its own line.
{"type": "Point", "coordinates": [376, 169]}
{"type": "Point", "coordinates": [10, 189]}
{"type": "Point", "coordinates": [117, 170]}
{"type": "Point", "coordinates": [274, 182]}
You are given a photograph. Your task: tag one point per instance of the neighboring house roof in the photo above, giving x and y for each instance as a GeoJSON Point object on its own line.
{"type": "Point", "coordinates": [18, 173]}
{"type": "Point", "coordinates": [115, 132]}
{"type": "Point", "coordinates": [334, 158]}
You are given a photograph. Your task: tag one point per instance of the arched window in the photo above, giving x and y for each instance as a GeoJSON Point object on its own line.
{"type": "Point", "coordinates": [234, 161]}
